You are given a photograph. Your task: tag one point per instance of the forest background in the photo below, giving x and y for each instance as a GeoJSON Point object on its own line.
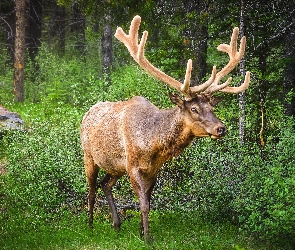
{"type": "Point", "coordinates": [68, 60]}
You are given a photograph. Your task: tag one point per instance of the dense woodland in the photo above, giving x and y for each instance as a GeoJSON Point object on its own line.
{"type": "Point", "coordinates": [57, 58]}
{"type": "Point", "coordinates": [190, 29]}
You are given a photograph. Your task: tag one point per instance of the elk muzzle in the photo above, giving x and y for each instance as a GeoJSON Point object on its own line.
{"type": "Point", "coordinates": [219, 131]}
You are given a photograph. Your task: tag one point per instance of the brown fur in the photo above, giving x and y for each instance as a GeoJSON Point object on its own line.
{"type": "Point", "coordinates": [134, 137]}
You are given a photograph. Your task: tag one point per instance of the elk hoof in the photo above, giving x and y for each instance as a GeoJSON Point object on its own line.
{"type": "Point", "coordinates": [148, 239]}
{"type": "Point", "coordinates": [116, 226]}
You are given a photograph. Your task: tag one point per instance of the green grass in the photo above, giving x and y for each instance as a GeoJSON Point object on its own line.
{"type": "Point", "coordinates": [170, 230]}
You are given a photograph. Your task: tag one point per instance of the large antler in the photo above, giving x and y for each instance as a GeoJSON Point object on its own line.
{"type": "Point", "coordinates": [209, 87]}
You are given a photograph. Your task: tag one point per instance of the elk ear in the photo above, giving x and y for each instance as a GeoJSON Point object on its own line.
{"type": "Point", "coordinates": [215, 100]}
{"type": "Point", "coordinates": [176, 99]}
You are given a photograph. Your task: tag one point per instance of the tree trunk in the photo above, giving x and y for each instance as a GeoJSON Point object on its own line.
{"type": "Point", "coordinates": [243, 72]}
{"type": "Point", "coordinates": [19, 51]}
{"type": "Point", "coordinates": [289, 74]}
{"type": "Point", "coordinates": [107, 49]}
{"type": "Point", "coordinates": [7, 14]}
{"type": "Point", "coordinates": [78, 27]}
{"type": "Point", "coordinates": [195, 38]}
{"type": "Point", "coordinates": [57, 30]}
{"type": "Point", "coordinates": [35, 10]}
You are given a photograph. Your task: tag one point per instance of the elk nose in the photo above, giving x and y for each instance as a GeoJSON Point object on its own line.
{"type": "Point", "coordinates": [221, 131]}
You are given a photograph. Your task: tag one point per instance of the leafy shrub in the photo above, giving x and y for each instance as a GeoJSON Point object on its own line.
{"type": "Point", "coordinates": [77, 82]}
{"type": "Point", "coordinates": [6, 79]}
{"type": "Point", "coordinates": [45, 171]}
{"type": "Point", "coordinates": [202, 178]}
{"type": "Point", "coordinates": [129, 81]}
{"type": "Point", "coordinates": [223, 179]}
{"type": "Point", "coordinates": [62, 79]}
{"type": "Point", "coordinates": [266, 200]}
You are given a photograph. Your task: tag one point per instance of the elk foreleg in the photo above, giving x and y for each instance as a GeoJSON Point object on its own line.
{"type": "Point", "coordinates": [144, 218]}
{"type": "Point", "coordinates": [106, 184]}
{"type": "Point", "coordinates": [143, 188]}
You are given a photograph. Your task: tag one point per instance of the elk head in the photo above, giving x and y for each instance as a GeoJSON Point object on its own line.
{"type": "Point", "coordinates": [199, 117]}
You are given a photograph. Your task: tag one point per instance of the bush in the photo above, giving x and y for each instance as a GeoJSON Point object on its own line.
{"type": "Point", "coordinates": [62, 79]}
{"type": "Point", "coordinates": [266, 202]}
{"type": "Point", "coordinates": [223, 179]}
{"type": "Point", "coordinates": [45, 171]}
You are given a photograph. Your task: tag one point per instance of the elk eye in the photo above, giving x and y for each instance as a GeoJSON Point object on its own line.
{"type": "Point", "coordinates": [193, 109]}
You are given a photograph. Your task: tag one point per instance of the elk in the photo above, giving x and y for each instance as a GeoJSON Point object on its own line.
{"type": "Point", "coordinates": [134, 137]}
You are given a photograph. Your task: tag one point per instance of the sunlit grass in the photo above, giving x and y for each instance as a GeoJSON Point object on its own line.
{"type": "Point", "coordinates": [170, 230]}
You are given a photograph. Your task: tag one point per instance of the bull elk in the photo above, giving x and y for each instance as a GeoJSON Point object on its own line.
{"type": "Point", "coordinates": [134, 137]}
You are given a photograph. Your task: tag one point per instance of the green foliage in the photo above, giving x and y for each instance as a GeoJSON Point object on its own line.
{"type": "Point", "coordinates": [6, 76]}
{"type": "Point", "coordinates": [167, 53]}
{"type": "Point", "coordinates": [250, 186]}
{"type": "Point", "coordinates": [220, 179]}
{"type": "Point", "coordinates": [130, 81]}
{"type": "Point", "coordinates": [62, 79]}
{"type": "Point", "coordinates": [45, 173]}
{"type": "Point", "coordinates": [77, 82]}
{"type": "Point", "coordinates": [266, 199]}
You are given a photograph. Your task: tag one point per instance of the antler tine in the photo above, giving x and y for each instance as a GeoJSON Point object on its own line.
{"type": "Point", "coordinates": [205, 85]}
{"type": "Point", "coordinates": [209, 87]}
{"type": "Point", "coordinates": [131, 39]}
{"type": "Point", "coordinates": [137, 52]}
{"type": "Point", "coordinates": [185, 87]}
{"type": "Point", "coordinates": [192, 91]}
{"type": "Point", "coordinates": [241, 88]}
{"type": "Point", "coordinates": [235, 57]}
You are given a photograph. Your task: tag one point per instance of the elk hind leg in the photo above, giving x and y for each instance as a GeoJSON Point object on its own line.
{"type": "Point", "coordinates": [106, 184]}
{"type": "Point", "coordinates": [91, 173]}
